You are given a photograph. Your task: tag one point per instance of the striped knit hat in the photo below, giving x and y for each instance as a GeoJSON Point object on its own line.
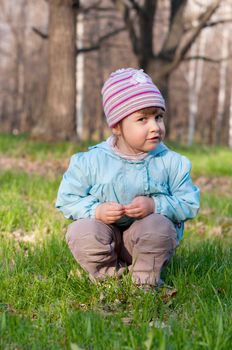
{"type": "Point", "coordinates": [126, 91]}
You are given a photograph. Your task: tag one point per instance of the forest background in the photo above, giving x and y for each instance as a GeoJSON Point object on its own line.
{"type": "Point", "coordinates": [55, 56]}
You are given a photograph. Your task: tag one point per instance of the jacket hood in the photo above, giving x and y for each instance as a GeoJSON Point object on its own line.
{"type": "Point", "coordinates": [104, 146]}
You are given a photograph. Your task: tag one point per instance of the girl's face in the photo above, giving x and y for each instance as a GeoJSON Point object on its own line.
{"type": "Point", "coordinates": [141, 131]}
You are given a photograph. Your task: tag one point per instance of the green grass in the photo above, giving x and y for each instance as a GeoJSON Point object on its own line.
{"type": "Point", "coordinates": [208, 161]}
{"type": "Point", "coordinates": [22, 146]}
{"type": "Point", "coordinates": [45, 305]}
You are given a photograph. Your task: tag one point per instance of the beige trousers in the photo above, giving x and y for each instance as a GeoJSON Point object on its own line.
{"type": "Point", "coordinates": [102, 250]}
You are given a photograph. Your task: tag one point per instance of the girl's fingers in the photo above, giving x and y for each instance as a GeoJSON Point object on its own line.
{"type": "Point", "coordinates": [112, 219]}
{"type": "Point", "coordinates": [133, 215]}
{"type": "Point", "coordinates": [116, 206]}
{"type": "Point", "coordinates": [114, 214]}
{"type": "Point", "coordinates": [130, 206]}
{"type": "Point", "coordinates": [137, 215]}
{"type": "Point", "coordinates": [115, 211]}
{"type": "Point", "coordinates": [133, 211]}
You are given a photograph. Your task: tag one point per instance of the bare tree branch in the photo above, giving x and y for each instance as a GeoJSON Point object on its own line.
{"type": "Point", "coordinates": [177, 7]}
{"type": "Point", "coordinates": [105, 16]}
{"type": "Point", "coordinates": [146, 22]}
{"type": "Point", "coordinates": [130, 25]}
{"type": "Point", "coordinates": [101, 40]}
{"type": "Point", "coordinates": [40, 33]}
{"type": "Point", "coordinates": [136, 6]}
{"type": "Point", "coordinates": [192, 34]}
{"type": "Point", "coordinates": [176, 29]}
{"type": "Point", "coordinates": [199, 3]}
{"type": "Point", "coordinates": [215, 23]}
{"type": "Point", "coordinates": [76, 4]}
{"type": "Point", "coordinates": [207, 59]}
{"type": "Point", "coordinates": [93, 47]}
{"type": "Point", "coordinates": [96, 7]}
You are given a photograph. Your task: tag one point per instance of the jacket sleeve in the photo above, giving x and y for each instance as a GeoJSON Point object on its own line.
{"type": "Point", "coordinates": [73, 198]}
{"type": "Point", "coordinates": [184, 199]}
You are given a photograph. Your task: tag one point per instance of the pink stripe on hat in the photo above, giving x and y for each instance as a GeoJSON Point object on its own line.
{"type": "Point", "coordinates": [116, 115]}
{"type": "Point", "coordinates": [129, 98]}
{"type": "Point", "coordinates": [115, 93]}
{"type": "Point", "coordinates": [126, 91]}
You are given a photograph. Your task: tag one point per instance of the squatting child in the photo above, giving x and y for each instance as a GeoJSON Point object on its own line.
{"type": "Point", "coordinates": [130, 195]}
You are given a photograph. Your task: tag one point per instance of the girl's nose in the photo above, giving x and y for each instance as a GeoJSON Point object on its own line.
{"type": "Point", "coordinates": [154, 125]}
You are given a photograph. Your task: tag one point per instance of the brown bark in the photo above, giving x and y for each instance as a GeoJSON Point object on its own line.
{"type": "Point", "coordinates": [58, 120]}
{"type": "Point", "coordinates": [158, 69]}
{"type": "Point", "coordinates": [176, 45]}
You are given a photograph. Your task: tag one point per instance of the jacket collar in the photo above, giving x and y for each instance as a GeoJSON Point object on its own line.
{"type": "Point", "coordinates": [104, 146]}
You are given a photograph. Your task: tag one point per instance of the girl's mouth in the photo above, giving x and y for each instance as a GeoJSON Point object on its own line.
{"type": "Point", "coordinates": [154, 139]}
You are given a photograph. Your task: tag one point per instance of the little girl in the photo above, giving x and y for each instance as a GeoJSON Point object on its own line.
{"type": "Point", "coordinates": [130, 195]}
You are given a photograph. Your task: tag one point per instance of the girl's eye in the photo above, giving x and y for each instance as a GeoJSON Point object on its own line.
{"type": "Point", "coordinates": [159, 117]}
{"type": "Point", "coordinates": [142, 119]}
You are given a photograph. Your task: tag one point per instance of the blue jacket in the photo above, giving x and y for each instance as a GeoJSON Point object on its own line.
{"type": "Point", "coordinates": [100, 175]}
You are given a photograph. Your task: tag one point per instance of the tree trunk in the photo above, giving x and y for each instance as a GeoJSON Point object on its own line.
{"type": "Point", "coordinates": [194, 79]}
{"type": "Point", "coordinates": [58, 120]}
{"type": "Point", "coordinates": [230, 122]}
{"type": "Point", "coordinates": [222, 85]}
{"type": "Point", "coordinates": [140, 18]}
{"type": "Point", "coordinates": [158, 69]}
{"type": "Point", "coordinates": [80, 65]}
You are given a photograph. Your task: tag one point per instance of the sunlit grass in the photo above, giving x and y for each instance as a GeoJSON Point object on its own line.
{"type": "Point", "coordinates": [206, 160]}
{"type": "Point", "coordinates": [23, 146]}
{"type": "Point", "coordinates": [46, 304]}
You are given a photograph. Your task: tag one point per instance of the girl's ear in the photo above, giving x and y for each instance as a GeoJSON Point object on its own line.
{"type": "Point", "coordinates": [116, 130]}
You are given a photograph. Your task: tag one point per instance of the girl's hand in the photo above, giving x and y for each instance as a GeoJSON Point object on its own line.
{"type": "Point", "coordinates": [109, 212]}
{"type": "Point", "coordinates": [140, 207]}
